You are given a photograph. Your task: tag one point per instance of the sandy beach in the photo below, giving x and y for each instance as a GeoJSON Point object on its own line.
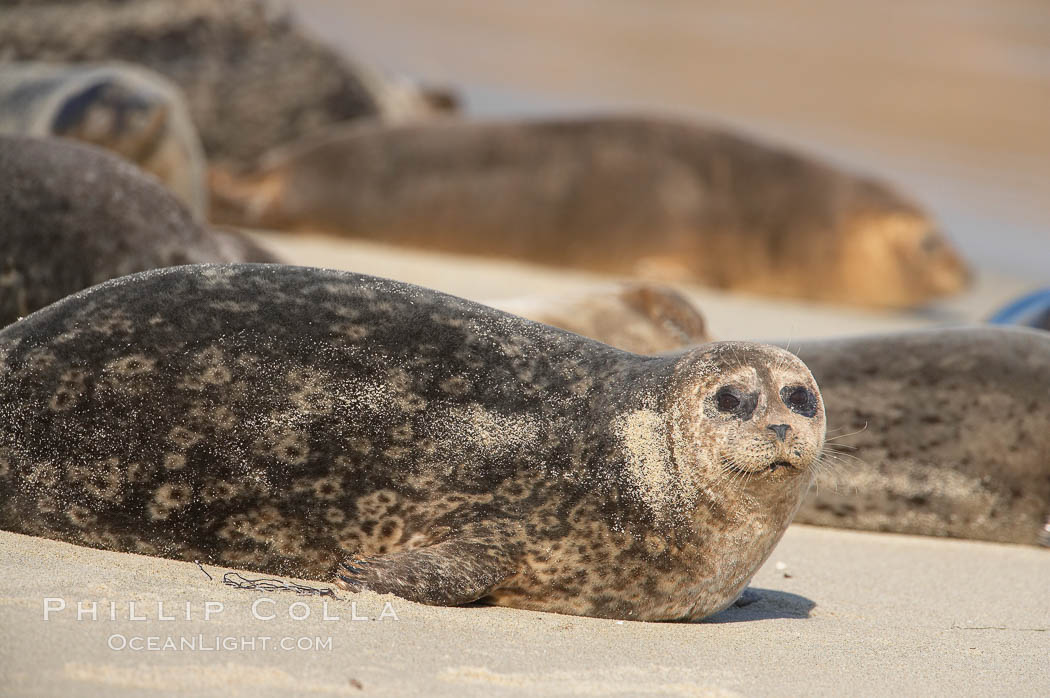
{"type": "Point", "coordinates": [837, 613]}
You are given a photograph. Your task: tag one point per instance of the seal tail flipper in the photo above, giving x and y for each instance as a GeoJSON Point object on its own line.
{"type": "Point", "coordinates": [447, 574]}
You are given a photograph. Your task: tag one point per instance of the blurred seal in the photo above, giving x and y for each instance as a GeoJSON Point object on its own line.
{"type": "Point", "coordinates": [642, 318]}
{"type": "Point", "coordinates": [129, 110]}
{"type": "Point", "coordinates": [73, 215]}
{"type": "Point", "coordinates": [252, 77]}
{"type": "Point", "coordinates": [671, 200]}
{"type": "Point", "coordinates": [336, 426]}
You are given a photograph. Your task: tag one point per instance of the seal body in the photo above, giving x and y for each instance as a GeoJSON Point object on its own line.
{"type": "Point", "coordinates": [74, 215]}
{"type": "Point", "coordinates": [330, 425]}
{"type": "Point", "coordinates": [132, 111]}
{"type": "Point", "coordinates": [944, 432]}
{"type": "Point", "coordinates": [668, 199]}
{"type": "Point", "coordinates": [252, 77]}
{"type": "Point", "coordinates": [640, 318]}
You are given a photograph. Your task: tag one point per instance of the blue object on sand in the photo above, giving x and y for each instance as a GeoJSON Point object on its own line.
{"type": "Point", "coordinates": [1031, 310]}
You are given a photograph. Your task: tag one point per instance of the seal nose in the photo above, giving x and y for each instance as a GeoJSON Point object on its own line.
{"type": "Point", "coordinates": [780, 430]}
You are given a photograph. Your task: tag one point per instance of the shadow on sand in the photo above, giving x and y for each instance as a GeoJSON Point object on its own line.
{"type": "Point", "coordinates": [763, 604]}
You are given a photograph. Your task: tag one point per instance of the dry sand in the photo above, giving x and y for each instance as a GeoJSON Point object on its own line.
{"type": "Point", "coordinates": [838, 613]}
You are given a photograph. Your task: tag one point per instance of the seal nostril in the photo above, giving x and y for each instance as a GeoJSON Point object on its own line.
{"type": "Point", "coordinates": [780, 430]}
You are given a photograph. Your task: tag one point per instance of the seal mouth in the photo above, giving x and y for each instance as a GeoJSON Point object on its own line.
{"type": "Point", "coordinates": [771, 468]}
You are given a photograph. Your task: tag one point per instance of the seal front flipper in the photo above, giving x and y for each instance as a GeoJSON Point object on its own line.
{"type": "Point", "coordinates": [446, 574]}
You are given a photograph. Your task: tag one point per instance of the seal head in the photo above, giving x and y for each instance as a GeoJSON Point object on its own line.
{"type": "Point", "coordinates": [724, 465]}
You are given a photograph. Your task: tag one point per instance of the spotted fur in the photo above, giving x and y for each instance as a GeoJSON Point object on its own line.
{"type": "Point", "coordinates": [447, 452]}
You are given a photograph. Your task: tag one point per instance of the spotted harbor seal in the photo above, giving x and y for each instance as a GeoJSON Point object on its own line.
{"type": "Point", "coordinates": [937, 432]}
{"type": "Point", "coordinates": [252, 77]}
{"type": "Point", "coordinates": [330, 425]}
{"type": "Point", "coordinates": [640, 318]}
{"type": "Point", "coordinates": [73, 215]}
{"type": "Point", "coordinates": [622, 194]}
{"type": "Point", "coordinates": [129, 110]}
{"type": "Point", "coordinates": [943, 432]}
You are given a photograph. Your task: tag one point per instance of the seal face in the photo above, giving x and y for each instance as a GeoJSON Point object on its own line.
{"type": "Point", "coordinates": [336, 426]}
{"type": "Point", "coordinates": [936, 432]}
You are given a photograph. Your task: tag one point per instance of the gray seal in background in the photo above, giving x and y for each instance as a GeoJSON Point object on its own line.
{"type": "Point", "coordinates": [946, 433]}
{"type": "Point", "coordinates": [73, 215]}
{"type": "Point", "coordinates": [129, 110]}
{"type": "Point", "coordinates": [252, 77]}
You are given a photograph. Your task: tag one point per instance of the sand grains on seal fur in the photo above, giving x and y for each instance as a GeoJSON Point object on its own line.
{"type": "Point", "coordinates": [330, 425]}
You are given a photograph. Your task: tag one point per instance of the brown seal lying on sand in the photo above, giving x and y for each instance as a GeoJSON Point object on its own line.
{"type": "Point", "coordinates": [641, 318]}
{"type": "Point", "coordinates": [73, 215]}
{"type": "Point", "coordinates": [619, 194]}
{"type": "Point", "coordinates": [331, 425]}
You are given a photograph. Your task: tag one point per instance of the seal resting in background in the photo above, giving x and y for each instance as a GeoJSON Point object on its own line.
{"type": "Point", "coordinates": [640, 318]}
{"type": "Point", "coordinates": [946, 433]}
{"type": "Point", "coordinates": [252, 77]}
{"type": "Point", "coordinates": [134, 112]}
{"type": "Point", "coordinates": [73, 215]}
{"type": "Point", "coordinates": [330, 425]}
{"type": "Point", "coordinates": [669, 199]}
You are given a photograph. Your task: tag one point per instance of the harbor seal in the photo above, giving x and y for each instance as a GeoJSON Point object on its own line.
{"type": "Point", "coordinates": [252, 77]}
{"type": "Point", "coordinates": [943, 432]}
{"type": "Point", "coordinates": [134, 112]}
{"type": "Point", "coordinates": [935, 432]}
{"type": "Point", "coordinates": [640, 318]}
{"type": "Point", "coordinates": [330, 425]}
{"type": "Point", "coordinates": [661, 198]}
{"type": "Point", "coordinates": [73, 215]}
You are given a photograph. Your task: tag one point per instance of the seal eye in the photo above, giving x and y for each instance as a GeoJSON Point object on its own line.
{"type": "Point", "coordinates": [799, 399]}
{"type": "Point", "coordinates": [727, 401]}
{"type": "Point", "coordinates": [731, 401]}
